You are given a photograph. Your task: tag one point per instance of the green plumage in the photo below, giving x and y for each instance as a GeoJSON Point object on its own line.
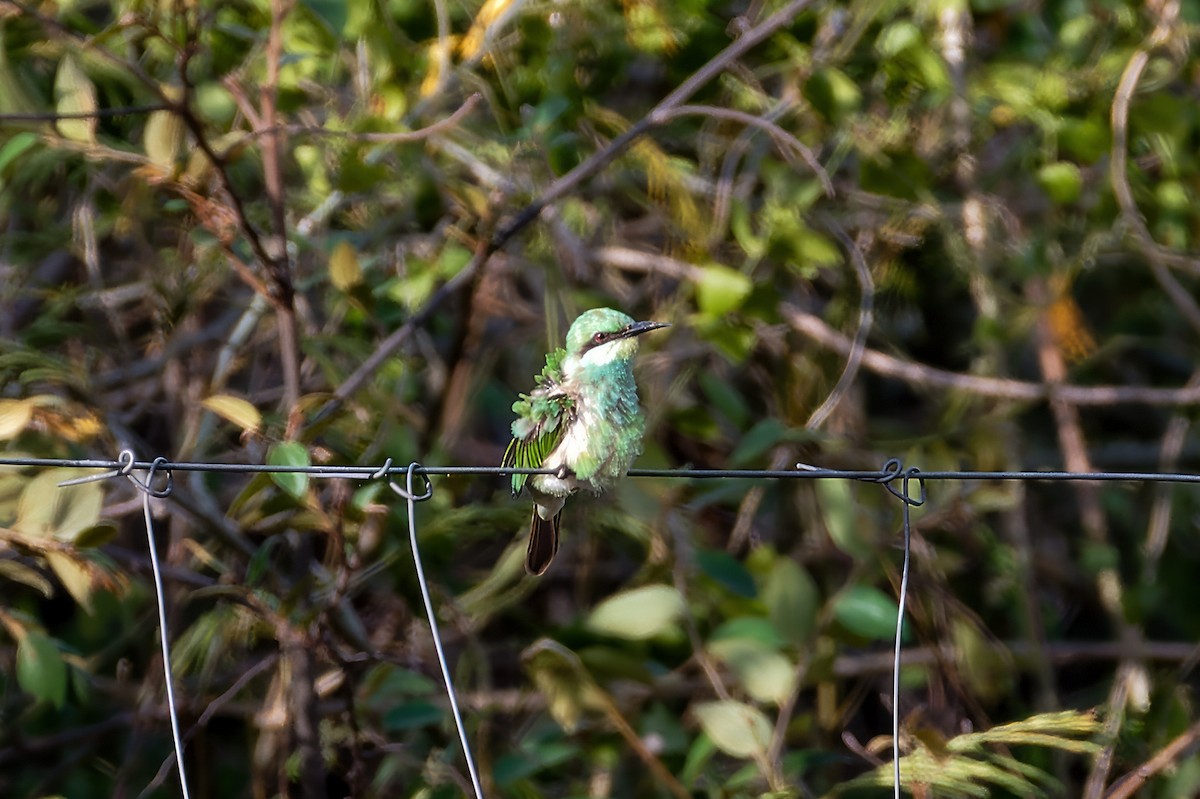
{"type": "Point", "coordinates": [539, 427]}
{"type": "Point", "coordinates": [581, 420]}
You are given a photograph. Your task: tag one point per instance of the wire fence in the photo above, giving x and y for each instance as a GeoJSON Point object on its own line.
{"type": "Point", "coordinates": [893, 475]}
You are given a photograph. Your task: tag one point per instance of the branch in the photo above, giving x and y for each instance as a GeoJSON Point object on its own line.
{"type": "Point", "coordinates": [387, 138]}
{"type": "Point", "coordinates": [866, 317]}
{"type": "Point", "coordinates": [789, 145]}
{"type": "Point", "coordinates": [1128, 785]}
{"type": "Point", "coordinates": [657, 116]}
{"type": "Point", "coordinates": [1154, 251]}
{"type": "Point", "coordinates": [99, 113]}
{"type": "Point", "coordinates": [997, 387]}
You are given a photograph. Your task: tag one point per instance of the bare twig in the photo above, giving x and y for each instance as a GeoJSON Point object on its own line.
{"type": "Point", "coordinates": [99, 113]}
{"type": "Point", "coordinates": [788, 144]}
{"type": "Point", "coordinates": [278, 265]}
{"type": "Point", "coordinates": [1001, 388]}
{"type": "Point", "coordinates": [1122, 98]}
{"type": "Point", "coordinates": [1158, 527]}
{"type": "Point", "coordinates": [659, 114]}
{"type": "Point", "coordinates": [866, 317]}
{"type": "Point", "coordinates": [1132, 782]}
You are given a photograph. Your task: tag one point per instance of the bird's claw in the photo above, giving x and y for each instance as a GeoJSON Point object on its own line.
{"type": "Point", "coordinates": [563, 472]}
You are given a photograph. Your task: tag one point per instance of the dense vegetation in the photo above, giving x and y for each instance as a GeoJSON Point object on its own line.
{"type": "Point", "coordinates": [318, 231]}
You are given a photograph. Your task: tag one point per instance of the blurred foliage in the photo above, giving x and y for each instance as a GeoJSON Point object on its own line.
{"type": "Point", "coordinates": [1020, 182]}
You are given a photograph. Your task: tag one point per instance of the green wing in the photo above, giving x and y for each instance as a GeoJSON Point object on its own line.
{"type": "Point", "coordinates": [531, 452]}
{"type": "Point", "coordinates": [541, 416]}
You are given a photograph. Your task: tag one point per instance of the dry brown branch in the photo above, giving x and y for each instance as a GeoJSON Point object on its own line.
{"type": "Point", "coordinates": [1109, 587]}
{"type": "Point", "coordinates": [1132, 782]}
{"type": "Point", "coordinates": [652, 263]}
{"type": "Point", "coordinates": [996, 387]}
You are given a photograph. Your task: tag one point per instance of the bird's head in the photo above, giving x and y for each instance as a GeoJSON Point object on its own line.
{"type": "Point", "coordinates": [602, 335]}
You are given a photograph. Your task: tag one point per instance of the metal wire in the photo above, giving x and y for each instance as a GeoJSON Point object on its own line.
{"type": "Point", "coordinates": [888, 475]}
{"type": "Point", "coordinates": [126, 463]}
{"type": "Point", "coordinates": [803, 471]}
{"type": "Point", "coordinates": [412, 498]}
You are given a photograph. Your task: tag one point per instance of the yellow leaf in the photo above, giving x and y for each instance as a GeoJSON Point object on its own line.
{"type": "Point", "coordinates": [75, 577]}
{"type": "Point", "coordinates": [492, 14]}
{"type": "Point", "coordinates": [46, 510]}
{"type": "Point", "coordinates": [344, 270]}
{"type": "Point", "coordinates": [163, 137]}
{"type": "Point", "coordinates": [234, 409]}
{"type": "Point", "coordinates": [15, 415]}
{"type": "Point", "coordinates": [736, 728]}
{"type": "Point", "coordinates": [74, 93]}
{"type": "Point", "coordinates": [439, 58]}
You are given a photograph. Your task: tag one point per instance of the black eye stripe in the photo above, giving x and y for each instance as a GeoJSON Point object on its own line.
{"type": "Point", "coordinates": [596, 340]}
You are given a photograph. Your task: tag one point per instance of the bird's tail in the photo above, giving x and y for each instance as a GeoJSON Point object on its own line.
{"type": "Point", "coordinates": [543, 543]}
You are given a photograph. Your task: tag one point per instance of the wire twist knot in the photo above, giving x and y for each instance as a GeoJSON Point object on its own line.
{"type": "Point", "coordinates": [893, 469]}
{"type": "Point", "coordinates": [407, 492]}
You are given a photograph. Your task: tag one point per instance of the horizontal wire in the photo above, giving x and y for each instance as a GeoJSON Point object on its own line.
{"type": "Point", "coordinates": [804, 472]}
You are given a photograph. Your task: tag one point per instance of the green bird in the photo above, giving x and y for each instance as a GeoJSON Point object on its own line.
{"type": "Point", "coordinates": [582, 420]}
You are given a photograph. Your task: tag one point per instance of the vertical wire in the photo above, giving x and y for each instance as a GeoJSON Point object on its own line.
{"type": "Point", "coordinates": [159, 595]}
{"type": "Point", "coordinates": [437, 636]}
{"type": "Point", "coordinates": [899, 632]}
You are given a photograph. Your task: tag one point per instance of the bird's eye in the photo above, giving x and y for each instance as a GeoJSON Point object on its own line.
{"type": "Point", "coordinates": [599, 337]}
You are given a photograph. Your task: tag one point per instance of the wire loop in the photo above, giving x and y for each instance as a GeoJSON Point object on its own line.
{"type": "Point", "coordinates": [148, 485]}
{"type": "Point", "coordinates": [893, 469]}
{"type": "Point", "coordinates": [126, 459]}
{"type": "Point", "coordinates": [383, 470]}
{"type": "Point", "coordinates": [408, 493]}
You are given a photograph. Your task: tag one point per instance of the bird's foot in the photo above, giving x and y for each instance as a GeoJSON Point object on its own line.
{"type": "Point", "coordinates": [563, 472]}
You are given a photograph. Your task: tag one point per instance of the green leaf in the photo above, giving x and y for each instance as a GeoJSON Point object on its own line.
{"type": "Point", "coordinates": [290, 453]}
{"type": "Point", "coordinates": [720, 394]}
{"type": "Point", "coordinates": [721, 290]}
{"type": "Point", "coordinates": [792, 601]}
{"type": "Point", "coordinates": [867, 611]}
{"type": "Point", "coordinates": [736, 728]}
{"type": "Point", "coordinates": [639, 613]}
{"type": "Point", "coordinates": [840, 515]}
{"type": "Point", "coordinates": [562, 679]}
{"type": "Point", "coordinates": [726, 570]}
{"type": "Point", "coordinates": [333, 13]}
{"type": "Point", "coordinates": [74, 93]}
{"type": "Point", "coordinates": [757, 441]}
{"type": "Point", "coordinates": [833, 93]}
{"type": "Point", "coordinates": [766, 675]}
{"type": "Point", "coordinates": [46, 510]}
{"type": "Point", "coordinates": [15, 147]}
{"type": "Point", "coordinates": [40, 668]}
{"type": "Point", "coordinates": [1062, 181]}
{"type": "Point", "coordinates": [897, 37]}
{"type": "Point", "coordinates": [412, 715]}
{"type": "Point", "coordinates": [754, 628]}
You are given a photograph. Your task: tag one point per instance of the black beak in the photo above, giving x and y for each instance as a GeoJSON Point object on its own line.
{"type": "Point", "coordinates": [638, 328]}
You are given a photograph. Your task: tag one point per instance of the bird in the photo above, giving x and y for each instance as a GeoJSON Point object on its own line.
{"type": "Point", "coordinates": [582, 420]}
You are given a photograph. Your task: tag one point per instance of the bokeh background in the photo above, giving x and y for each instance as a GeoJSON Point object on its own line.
{"type": "Point", "coordinates": [962, 234]}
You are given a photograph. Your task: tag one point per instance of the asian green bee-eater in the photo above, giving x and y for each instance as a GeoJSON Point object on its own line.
{"type": "Point", "coordinates": [582, 420]}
